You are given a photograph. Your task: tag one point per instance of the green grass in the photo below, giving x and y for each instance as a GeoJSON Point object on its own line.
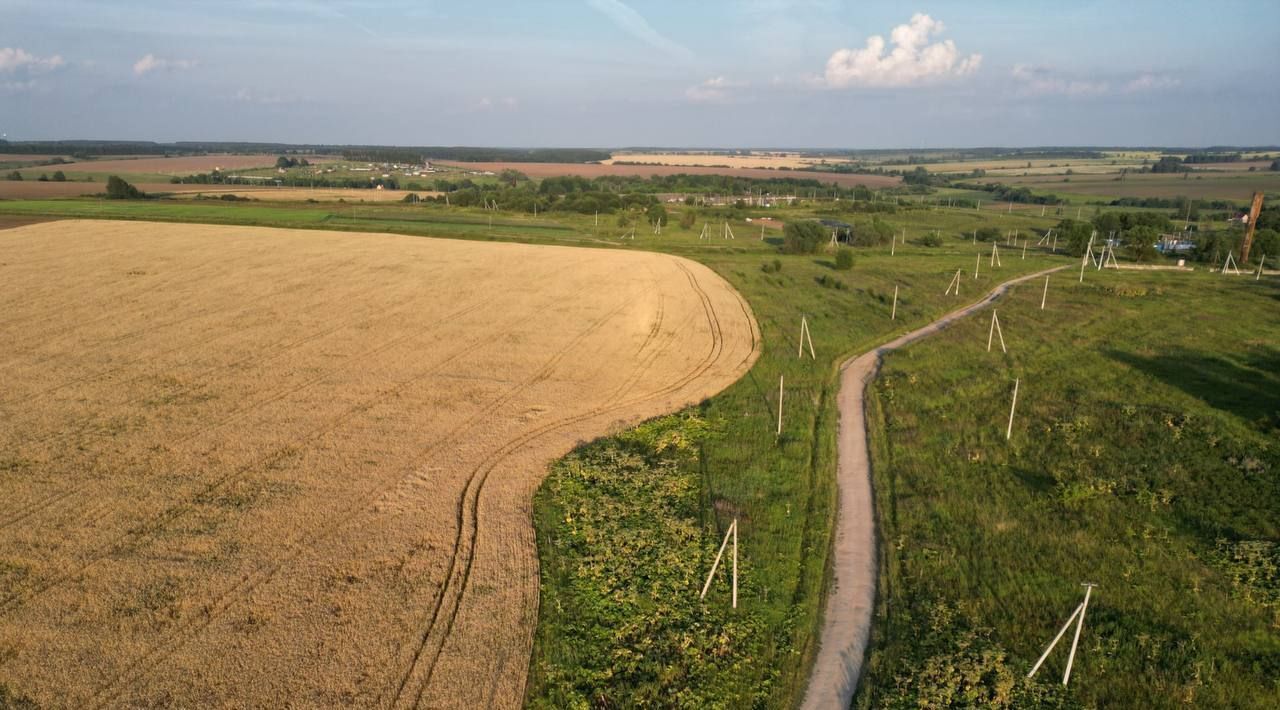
{"type": "Point", "coordinates": [1144, 457]}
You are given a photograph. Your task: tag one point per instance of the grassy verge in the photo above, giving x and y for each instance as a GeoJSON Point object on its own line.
{"type": "Point", "coordinates": [1144, 458]}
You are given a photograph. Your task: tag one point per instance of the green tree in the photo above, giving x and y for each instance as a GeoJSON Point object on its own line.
{"type": "Point", "coordinates": [285, 162]}
{"type": "Point", "coordinates": [1140, 243]}
{"type": "Point", "coordinates": [118, 189]}
{"type": "Point", "coordinates": [59, 176]}
{"type": "Point", "coordinates": [1074, 236]}
{"type": "Point", "coordinates": [511, 178]}
{"type": "Point", "coordinates": [656, 214]}
{"type": "Point", "coordinates": [687, 218]}
{"type": "Point", "coordinates": [802, 237]}
{"type": "Point", "coordinates": [1168, 164]}
{"type": "Point", "coordinates": [1265, 241]}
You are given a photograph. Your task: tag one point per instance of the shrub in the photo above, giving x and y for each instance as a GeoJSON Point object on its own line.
{"type": "Point", "coordinates": [59, 176]}
{"type": "Point", "coordinates": [802, 237]}
{"type": "Point", "coordinates": [118, 189]}
{"type": "Point", "coordinates": [412, 198]}
{"type": "Point", "coordinates": [931, 240]}
{"type": "Point", "coordinates": [829, 281]}
{"type": "Point", "coordinates": [987, 234]}
{"type": "Point", "coordinates": [844, 259]}
{"type": "Point", "coordinates": [771, 267]}
{"type": "Point", "coordinates": [15, 175]}
{"type": "Point", "coordinates": [687, 218]}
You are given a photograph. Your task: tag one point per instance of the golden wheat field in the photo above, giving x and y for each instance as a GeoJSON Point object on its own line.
{"type": "Point", "coordinates": [248, 467]}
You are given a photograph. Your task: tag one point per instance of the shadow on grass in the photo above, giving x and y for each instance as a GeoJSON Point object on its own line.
{"type": "Point", "coordinates": [1248, 388]}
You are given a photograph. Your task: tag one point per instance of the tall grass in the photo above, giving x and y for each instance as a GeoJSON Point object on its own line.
{"type": "Point", "coordinates": [1144, 458]}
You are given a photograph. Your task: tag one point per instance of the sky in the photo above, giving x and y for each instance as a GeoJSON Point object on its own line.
{"type": "Point", "coordinates": [622, 73]}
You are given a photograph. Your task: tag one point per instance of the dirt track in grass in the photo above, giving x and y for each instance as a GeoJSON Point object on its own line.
{"type": "Point", "coordinates": [244, 466]}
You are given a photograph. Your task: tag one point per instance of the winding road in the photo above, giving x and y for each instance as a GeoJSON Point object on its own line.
{"type": "Point", "coordinates": [851, 600]}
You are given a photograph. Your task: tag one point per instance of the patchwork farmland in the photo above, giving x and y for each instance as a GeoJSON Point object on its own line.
{"type": "Point", "coordinates": [247, 464]}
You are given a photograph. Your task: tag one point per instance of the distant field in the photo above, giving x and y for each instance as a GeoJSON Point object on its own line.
{"type": "Point", "coordinates": [246, 466]}
{"type": "Point", "coordinates": [761, 160]}
{"type": "Point", "coordinates": [186, 165]}
{"type": "Point", "coordinates": [299, 194]}
{"type": "Point", "coordinates": [1237, 186]}
{"type": "Point", "coordinates": [542, 170]}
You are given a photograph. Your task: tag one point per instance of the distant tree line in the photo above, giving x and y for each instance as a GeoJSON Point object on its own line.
{"type": "Point", "coordinates": [1008, 193]}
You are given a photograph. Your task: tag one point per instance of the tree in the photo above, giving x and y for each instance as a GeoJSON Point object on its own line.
{"type": "Point", "coordinates": [1265, 241]}
{"type": "Point", "coordinates": [844, 259]}
{"type": "Point", "coordinates": [284, 162]}
{"type": "Point", "coordinates": [59, 176]}
{"type": "Point", "coordinates": [511, 177]}
{"type": "Point", "coordinates": [1275, 164]}
{"type": "Point", "coordinates": [802, 237]}
{"type": "Point", "coordinates": [687, 218]}
{"type": "Point", "coordinates": [42, 178]}
{"type": "Point", "coordinates": [118, 189]}
{"type": "Point", "coordinates": [656, 214]}
{"type": "Point", "coordinates": [1140, 243]}
{"type": "Point", "coordinates": [1074, 236]}
{"type": "Point", "coordinates": [1168, 164]}
{"type": "Point", "coordinates": [412, 198]}
{"type": "Point", "coordinates": [15, 175]}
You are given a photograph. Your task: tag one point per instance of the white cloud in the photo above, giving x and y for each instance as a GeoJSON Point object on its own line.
{"type": "Point", "coordinates": [1043, 81]}
{"type": "Point", "coordinates": [911, 60]}
{"type": "Point", "coordinates": [14, 59]}
{"type": "Point", "coordinates": [507, 102]}
{"type": "Point", "coordinates": [713, 90]}
{"type": "Point", "coordinates": [151, 63]}
{"type": "Point", "coordinates": [634, 24]}
{"type": "Point", "coordinates": [1150, 82]}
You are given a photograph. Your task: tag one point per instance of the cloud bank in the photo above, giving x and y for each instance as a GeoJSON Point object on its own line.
{"type": "Point", "coordinates": [151, 63]}
{"type": "Point", "coordinates": [16, 59]}
{"type": "Point", "coordinates": [912, 59]}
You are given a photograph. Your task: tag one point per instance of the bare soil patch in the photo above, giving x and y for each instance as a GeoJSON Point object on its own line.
{"type": "Point", "coordinates": [255, 467]}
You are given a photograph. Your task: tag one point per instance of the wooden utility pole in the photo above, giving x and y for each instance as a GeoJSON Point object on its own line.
{"type": "Point", "coordinates": [1254, 209]}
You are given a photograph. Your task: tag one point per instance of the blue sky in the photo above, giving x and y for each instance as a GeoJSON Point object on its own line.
{"type": "Point", "coordinates": [611, 73]}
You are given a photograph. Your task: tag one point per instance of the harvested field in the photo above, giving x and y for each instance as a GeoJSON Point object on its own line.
{"type": "Point", "coordinates": [591, 170]}
{"type": "Point", "coordinates": [755, 160]}
{"type": "Point", "coordinates": [252, 467]}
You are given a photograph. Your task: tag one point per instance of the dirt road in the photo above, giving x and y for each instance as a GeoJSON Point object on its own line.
{"type": "Point", "coordinates": [851, 599]}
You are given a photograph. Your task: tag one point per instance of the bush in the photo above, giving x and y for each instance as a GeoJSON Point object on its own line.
{"type": "Point", "coordinates": [802, 237]}
{"type": "Point", "coordinates": [59, 176]}
{"type": "Point", "coordinates": [771, 267]}
{"type": "Point", "coordinates": [687, 218]}
{"type": "Point", "coordinates": [987, 234]}
{"type": "Point", "coordinates": [874, 234]}
{"type": "Point", "coordinates": [1265, 241]}
{"type": "Point", "coordinates": [118, 189]}
{"type": "Point", "coordinates": [844, 259]}
{"type": "Point", "coordinates": [931, 240]}
{"type": "Point", "coordinates": [412, 198]}
{"type": "Point", "coordinates": [829, 281]}
{"type": "Point", "coordinates": [15, 175]}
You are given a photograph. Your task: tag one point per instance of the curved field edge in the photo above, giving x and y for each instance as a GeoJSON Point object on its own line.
{"type": "Point", "coordinates": [1143, 459]}
{"type": "Point", "coordinates": [628, 526]}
